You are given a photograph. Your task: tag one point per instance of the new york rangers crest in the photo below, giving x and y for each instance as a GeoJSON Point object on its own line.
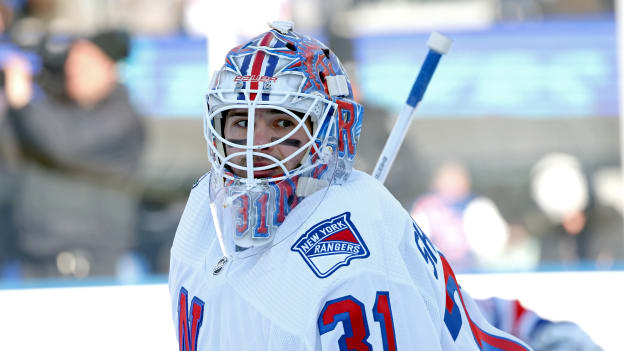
{"type": "Point", "coordinates": [331, 244]}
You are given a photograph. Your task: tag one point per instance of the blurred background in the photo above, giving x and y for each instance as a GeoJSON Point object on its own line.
{"type": "Point", "coordinates": [512, 163]}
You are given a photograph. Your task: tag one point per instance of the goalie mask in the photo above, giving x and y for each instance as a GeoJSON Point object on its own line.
{"type": "Point", "coordinates": [281, 126]}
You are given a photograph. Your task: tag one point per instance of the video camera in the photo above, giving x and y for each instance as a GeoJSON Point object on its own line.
{"type": "Point", "coordinates": [48, 53]}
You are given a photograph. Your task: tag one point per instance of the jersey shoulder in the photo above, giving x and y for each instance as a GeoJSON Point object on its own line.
{"type": "Point", "coordinates": [363, 185]}
{"type": "Point", "coordinates": [357, 228]}
{"type": "Point", "coordinates": [195, 232]}
{"type": "Point", "coordinates": [366, 198]}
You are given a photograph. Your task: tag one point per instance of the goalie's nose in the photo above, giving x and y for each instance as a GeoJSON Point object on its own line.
{"type": "Point", "coordinates": [262, 133]}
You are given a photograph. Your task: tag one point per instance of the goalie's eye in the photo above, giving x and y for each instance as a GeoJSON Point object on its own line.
{"type": "Point", "coordinates": [241, 124]}
{"type": "Point", "coordinates": [284, 123]}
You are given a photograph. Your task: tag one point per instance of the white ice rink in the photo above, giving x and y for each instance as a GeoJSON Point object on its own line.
{"type": "Point", "coordinates": [138, 317]}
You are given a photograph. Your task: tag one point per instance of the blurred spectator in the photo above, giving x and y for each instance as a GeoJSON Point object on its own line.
{"type": "Point", "coordinates": [559, 187]}
{"type": "Point", "coordinates": [575, 227]}
{"type": "Point", "coordinates": [8, 168]}
{"type": "Point", "coordinates": [467, 228]}
{"type": "Point", "coordinates": [605, 217]}
{"type": "Point", "coordinates": [522, 252]}
{"type": "Point", "coordinates": [81, 140]}
{"type": "Point", "coordinates": [440, 213]}
{"type": "Point", "coordinates": [8, 180]}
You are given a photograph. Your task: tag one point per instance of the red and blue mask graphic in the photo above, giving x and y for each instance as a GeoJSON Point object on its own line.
{"type": "Point", "coordinates": [286, 73]}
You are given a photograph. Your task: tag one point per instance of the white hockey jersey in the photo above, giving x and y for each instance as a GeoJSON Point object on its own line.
{"type": "Point", "coordinates": [356, 273]}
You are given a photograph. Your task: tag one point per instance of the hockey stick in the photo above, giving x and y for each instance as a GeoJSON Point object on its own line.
{"type": "Point", "coordinates": [438, 45]}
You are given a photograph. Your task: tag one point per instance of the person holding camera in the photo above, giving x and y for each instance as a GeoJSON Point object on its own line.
{"type": "Point", "coordinates": [81, 141]}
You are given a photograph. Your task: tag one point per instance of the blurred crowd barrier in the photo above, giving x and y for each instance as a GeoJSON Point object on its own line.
{"type": "Point", "coordinates": [512, 164]}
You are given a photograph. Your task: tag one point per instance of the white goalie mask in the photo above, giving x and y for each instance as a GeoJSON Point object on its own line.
{"type": "Point", "coordinates": [281, 127]}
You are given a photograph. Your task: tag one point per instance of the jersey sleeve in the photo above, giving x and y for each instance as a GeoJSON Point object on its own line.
{"type": "Point", "coordinates": [542, 334]}
{"type": "Point", "coordinates": [463, 326]}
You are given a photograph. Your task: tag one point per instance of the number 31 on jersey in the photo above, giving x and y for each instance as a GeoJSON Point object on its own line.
{"type": "Point", "coordinates": [351, 312]}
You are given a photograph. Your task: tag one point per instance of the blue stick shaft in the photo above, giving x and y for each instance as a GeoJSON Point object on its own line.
{"type": "Point", "coordinates": [423, 78]}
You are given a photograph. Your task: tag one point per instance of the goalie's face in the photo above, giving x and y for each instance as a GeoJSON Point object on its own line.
{"type": "Point", "coordinates": [270, 126]}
